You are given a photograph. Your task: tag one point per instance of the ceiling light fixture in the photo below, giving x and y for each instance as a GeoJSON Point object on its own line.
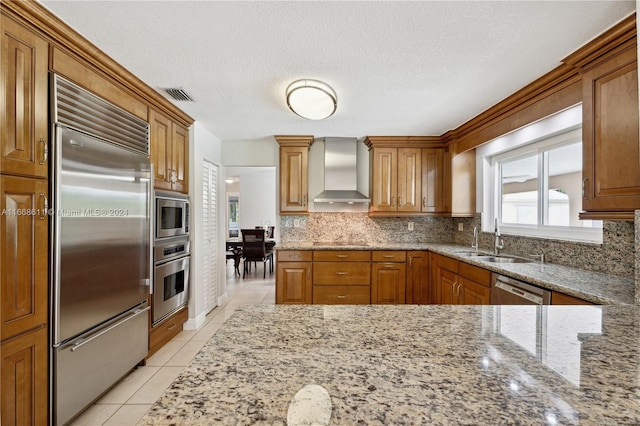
{"type": "Point", "coordinates": [311, 99]}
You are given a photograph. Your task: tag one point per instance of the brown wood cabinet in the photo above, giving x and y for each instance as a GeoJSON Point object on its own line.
{"type": "Point", "coordinates": [169, 328]}
{"type": "Point", "coordinates": [459, 182]}
{"type": "Point", "coordinates": [418, 278]}
{"type": "Point", "coordinates": [25, 378]}
{"type": "Point", "coordinates": [558, 298]}
{"type": "Point", "coordinates": [294, 276]}
{"type": "Point", "coordinates": [388, 277]}
{"type": "Point", "coordinates": [458, 283]}
{"type": "Point", "coordinates": [24, 232]}
{"type": "Point", "coordinates": [24, 252]}
{"type": "Point", "coordinates": [611, 150]}
{"type": "Point", "coordinates": [169, 152]}
{"type": "Point", "coordinates": [433, 200]}
{"type": "Point", "coordinates": [294, 174]}
{"type": "Point", "coordinates": [23, 76]}
{"type": "Point", "coordinates": [341, 277]}
{"type": "Point", "coordinates": [396, 180]}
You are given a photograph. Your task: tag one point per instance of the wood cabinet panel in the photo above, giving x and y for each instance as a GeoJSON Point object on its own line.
{"type": "Point", "coordinates": [294, 255]}
{"type": "Point", "coordinates": [611, 169]}
{"type": "Point", "coordinates": [341, 295]}
{"type": "Point", "coordinates": [432, 180]}
{"type": "Point", "coordinates": [162, 333]}
{"type": "Point", "coordinates": [474, 273]}
{"type": "Point", "coordinates": [25, 379]}
{"type": "Point", "coordinates": [294, 282]}
{"type": "Point", "coordinates": [447, 263]}
{"type": "Point", "coordinates": [473, 293]}
{"type": "Point", "coordinates": [342, 273]}
{"type": "Point", "coordinates": [180, 158]}
{"type": "Point", "coordinates": [409, 180]}
{"type": "Point", "coordinates": [558, 298]}
{"type": "Point", "coordinates": [342, 256]}
{"type": "Point", "coordinates": [159, 149]}
{"type": "Point", "coordinates": [23, 78]}
{"type": "Point", "coordinates": [446, 287]}
{"type": "Point", "coordinates": [169, 153]}
{"type": "Point", "coordinates": [418, 278]}
{"type": "Point", "coordinates": [23, 251]}
{"type": "Point", "coordinates": [294, 179]}
{"type": "Point", "coordinates": [384, 175]}
{"type": "Point", "coordinates": [91, 79]}
{"type": "Point", "coordinates": [388, 283]}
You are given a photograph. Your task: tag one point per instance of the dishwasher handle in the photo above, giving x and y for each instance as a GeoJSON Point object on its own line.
{"type": "Point", "coordinates": [538, 300]}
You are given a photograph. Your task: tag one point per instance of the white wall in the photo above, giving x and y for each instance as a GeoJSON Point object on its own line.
{"type": "Point", "coordinates": [257, 198]}
{"type": "Point", "coordinates": [263, 152]}
{"type": "Point", "coordinates": [203, 145]}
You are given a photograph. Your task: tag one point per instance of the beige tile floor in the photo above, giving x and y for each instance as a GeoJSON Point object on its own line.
{"type": "Point", "coordinates": [129, 400]}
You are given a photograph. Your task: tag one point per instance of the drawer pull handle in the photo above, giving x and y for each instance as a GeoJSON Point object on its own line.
{"type": "Point", "coordinates": [172, 326]}
{"type": "Point", "coordinates": [341, 297]}
{"type": "Point", "coordinates": [388, 256]}
{"type": "Point", "coordinates": [342, 256]}
{"type": "Point", "coordinates": [342, 273]}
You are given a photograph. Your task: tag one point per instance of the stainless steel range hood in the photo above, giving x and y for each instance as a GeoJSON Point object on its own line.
{"type": "Point", "coordinates": [340, 172]}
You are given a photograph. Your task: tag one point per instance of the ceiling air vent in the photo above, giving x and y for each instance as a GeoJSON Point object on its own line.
{"type": "Point", "coordinates": [179, 94]}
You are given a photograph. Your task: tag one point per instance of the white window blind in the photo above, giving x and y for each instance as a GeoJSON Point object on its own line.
{"type": "Point", "coordinates": [210, 234]}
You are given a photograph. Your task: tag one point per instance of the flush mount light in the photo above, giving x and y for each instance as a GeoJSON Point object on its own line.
{"type": "Point", "coordinates": [311, 99]}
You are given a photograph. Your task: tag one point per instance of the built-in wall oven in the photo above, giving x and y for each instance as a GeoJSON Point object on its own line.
{"type": "Point", "coordinates": [170, 276]}
{"type": "Point", "coordinates": [171, 255]}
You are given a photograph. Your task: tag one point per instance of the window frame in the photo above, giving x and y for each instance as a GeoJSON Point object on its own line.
{"type": "Point", "coordinates": [489, 165]}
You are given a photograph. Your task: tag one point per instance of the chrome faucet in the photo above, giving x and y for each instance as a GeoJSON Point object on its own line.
{"type": "Point", "coordinates": [499, 244]}
{"type": "Point", "coordinates": [475, 245]}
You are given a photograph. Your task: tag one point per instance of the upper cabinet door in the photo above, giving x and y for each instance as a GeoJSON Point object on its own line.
{"type": "Point", "coordinates": [160, 148]}
{"type": "Point", "coordinates": [611, 165]}
{"type": "Point", "coordinates": [23, 76]}
{"type": "Point", "coordinates": [294, 179]}
{"type": "Point", "coordinates": [409, 180]}
{"type": "Point", "coordinates": [432, 180]}
{"type": "Point", "coordinates": [179, 175]}
{"type": "Point", "coordinates": [384, 179]}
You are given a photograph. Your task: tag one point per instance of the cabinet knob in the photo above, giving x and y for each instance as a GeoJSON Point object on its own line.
{"type": "Point", "coordinates": [43, 214]}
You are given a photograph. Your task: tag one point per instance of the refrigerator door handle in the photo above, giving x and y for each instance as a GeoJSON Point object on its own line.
{"type": "Point", "coordinates": [83, 342]}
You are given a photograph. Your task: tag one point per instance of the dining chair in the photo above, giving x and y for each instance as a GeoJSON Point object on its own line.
{"type": "Point", "coordinates": [254, 250]}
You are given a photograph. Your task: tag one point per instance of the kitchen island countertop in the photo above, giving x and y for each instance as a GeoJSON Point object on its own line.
{"type": "Point", "coordinates": [595, 287]}
{"type": "Point", "coordinates": [408, 364]}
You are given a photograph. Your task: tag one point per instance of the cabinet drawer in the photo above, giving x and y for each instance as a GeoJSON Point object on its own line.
{"type": "Point", "coordinates": [447, 263]}
{"type": "Point", "coordinates": [479, 275]}
{"type": "Point", "coordinates": [293, 255]}
{"type": "Point", "coordinates": [389, 256]}
{"type": "Point", "coordinates": [341, 256]}
{"type": "Point", "coordinates": [166, 330]}
{"type": "Point", "coordinates": [338, 273]}
{"type": "Point", "coordinates": [341, 295]}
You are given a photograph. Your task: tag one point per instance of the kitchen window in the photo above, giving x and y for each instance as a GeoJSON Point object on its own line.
{"type": "Point", "coordinates": [534, 187]}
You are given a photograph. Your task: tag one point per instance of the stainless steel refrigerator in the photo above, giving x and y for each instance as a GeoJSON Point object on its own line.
{"type": "Point", "coordinates": [100, 276]}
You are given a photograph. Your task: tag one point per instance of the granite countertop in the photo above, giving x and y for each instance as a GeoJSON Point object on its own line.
{"type": "Point", "coordinates": [408, 364]}
{"type": "Point", "coordinates": [595, 287]}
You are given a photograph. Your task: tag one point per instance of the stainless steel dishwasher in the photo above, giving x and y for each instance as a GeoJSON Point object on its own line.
{"type": "Point", "coordinates": [508, 291]}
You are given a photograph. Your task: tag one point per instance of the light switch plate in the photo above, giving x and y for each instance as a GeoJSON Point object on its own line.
{"type": "Point", "coordinates": [410, 226]}
{"type": "Point", "coordinates": [296, 223]}
{"type": "Point", "coordinates": [461, 227]}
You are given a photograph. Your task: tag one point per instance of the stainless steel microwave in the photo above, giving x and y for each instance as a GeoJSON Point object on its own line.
{"type": "Point", "coordinates": [172, 215]}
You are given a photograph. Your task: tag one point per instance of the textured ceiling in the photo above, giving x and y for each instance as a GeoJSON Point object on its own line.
{"type": "Point", "coordinates": [399, 68]}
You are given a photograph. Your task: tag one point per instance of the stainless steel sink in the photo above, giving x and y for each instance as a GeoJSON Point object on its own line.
{"type": "Point", "coordinates": [470, 253]}
{"type": "Point", "coordinates": [499, 259]}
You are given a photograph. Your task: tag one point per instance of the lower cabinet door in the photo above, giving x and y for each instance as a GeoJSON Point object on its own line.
{"type": "Point", "coordinates": [388, 283]}
{"type": "Point", "coordinates": [24, 379]}
{"type": "Point", "coordinates": [474, 293]}
{"type": "Point", "coordinates": [446, 287]}
{"type": "Point", "coordinates": [293, 282]}
{"type": "Point", "coordinates": [341, 294]}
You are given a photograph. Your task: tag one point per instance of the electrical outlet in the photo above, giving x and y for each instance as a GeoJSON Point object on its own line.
{"type": "Point", "coordinates": [410, 226]}
{"type": "Point", "coordinates": [461, 227]}
{"type": "Point", "coordinates": [296, 223]}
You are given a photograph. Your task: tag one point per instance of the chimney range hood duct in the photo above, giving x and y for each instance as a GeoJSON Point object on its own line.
{"type": "Point", "coordinates": [340, 172]}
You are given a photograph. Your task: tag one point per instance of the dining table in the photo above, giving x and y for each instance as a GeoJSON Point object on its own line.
{"type": "Point", "coordinates": [234, 246]}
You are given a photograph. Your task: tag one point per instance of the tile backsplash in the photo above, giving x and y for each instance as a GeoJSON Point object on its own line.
{"type": "Point", "coordinates": [615, 256]}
